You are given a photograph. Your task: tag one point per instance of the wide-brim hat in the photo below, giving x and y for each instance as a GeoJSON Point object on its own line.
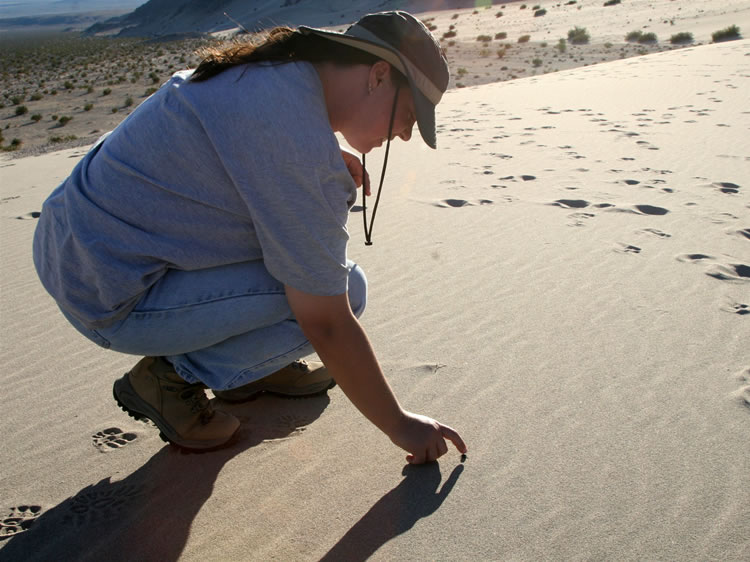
{"type": "Point", "coordinates": [403, 41]}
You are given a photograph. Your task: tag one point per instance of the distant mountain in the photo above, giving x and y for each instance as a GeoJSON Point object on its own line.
{"type": "Point", "coordinates": [37, 8]}
{"type": "Point", "coordinates": [158, 18]}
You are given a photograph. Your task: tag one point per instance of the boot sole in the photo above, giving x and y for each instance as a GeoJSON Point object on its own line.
{"type": "Point", "coordinates": [278, 391]}
{"type": "Point", "coordinates": [137, 408]}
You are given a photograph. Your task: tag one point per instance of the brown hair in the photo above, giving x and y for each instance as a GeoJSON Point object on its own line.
{"type": "Point", "coordinates": [282, 45]}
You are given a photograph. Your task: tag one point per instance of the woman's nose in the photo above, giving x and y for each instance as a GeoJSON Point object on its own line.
{"type": "Point", "coordinates": [405, 135]}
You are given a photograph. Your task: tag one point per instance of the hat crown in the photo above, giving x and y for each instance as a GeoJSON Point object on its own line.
{"type": "Point", "coordinates": [412, 40]}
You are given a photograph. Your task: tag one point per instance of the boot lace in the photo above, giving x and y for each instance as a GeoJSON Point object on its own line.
{"type": "Point", "coordinates": [198, 402]}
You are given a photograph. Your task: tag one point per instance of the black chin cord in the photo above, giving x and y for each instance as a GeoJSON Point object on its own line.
{"type": "Point", "coordinates": [368, 231]}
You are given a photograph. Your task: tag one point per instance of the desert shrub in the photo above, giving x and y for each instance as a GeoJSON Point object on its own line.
{"type": "Point", "coordinates": [681, 38]}
{"type": "Point", "coordinates": [15, 144]}
{"type": "Point", "coordinates": [64, 120]}
{"type": "Point", "coordinates": [523, 6]}
{"type": "Point", "coordinates": [36, 96]}
{"type": "Point", "coordinates": [500, 53]}
{"type": "Point", "coordinates": [537, 63]}
{"type": "Point", "coordinates": [150, 91]}
{"type": "Point", "coordinates": [648, 38]}
{"type": "Point", "coordinates": [727, 34]}
{"type": "Point", "coordinates": [88, 107]}
{"type": "Point", "coordinates": [449, 34]}
{"type": "Point", "coordinates": [15, 100]}
{"type": "Point", "coordinates": [578, 36]}
{"type": "Point", "coordinates": [57, 138]}
{"type": "Point", "coordinates": [562, 45]}
{"type": "Point", "coordinates": [115, 110]}
{"type": "Point", "coordinates": [484, 38]}
{"type": "Point", "coordinates": [461, 71]}
{"type": "Point", "coordinates": [633, 36]}
{"type": "Point", "coordinates": [524, 38]}
{"type": "Point", "coordinates": [540, 13]}
{"type": "Point", "coordinates": [36, 117]}
{"type": "Point", "coordinates": [68, 85]}
{"type": "Point", "coordinates": [128, 101]}
{"type": "Point", "coordinates": [484, 53]}
{"type": "Point", "coordinates": [611, 2]}
{"type": "Point", "coordinates": [499, 15]}
{"type": "Point", "coordinates": [22, 110]}
{"type": "Point", "coordinates": [106, 91]}
{"type": "Point", "coordinates": [501, 35]}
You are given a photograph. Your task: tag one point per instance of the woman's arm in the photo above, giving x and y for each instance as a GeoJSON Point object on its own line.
{"type": "Point", "coordinates": [342, 345]}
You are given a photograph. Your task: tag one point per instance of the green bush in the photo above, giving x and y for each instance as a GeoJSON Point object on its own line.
{"type": "Point", "coordinates": [88, 107]}
{"type": "Point", "coordinates": [681, 38]}
{"type": "Point", "coordinates": [634, 36]}
{"type": "Point", "coordinates": [22, 110]}
{"type": "Point", "coordinates": [449, 34]}
{"type": "Point", "coordinates": [501, 35]}
{"type": "Point", "coordinates": [106, 91]}
{"type": "Point", "coordinates": [648, 38]}
{"type": "Point", "coordinates": [484, 38]}
{"type": "Point", "coordinates": [128, 101]}
{"type": "Point", "coordinates": [727, 34]}
{"type": "Point", "coordinates": [524, 38]}
{"type": "Point", "coordinates": [537, 63]}
{"type": "Point", "coordinates": [562, 45]}
{"type": "Point", "coordinates": [611, 2]}
{"type": "Point", "coordinates": [540, 13]}
{"type": "Point", "coordinates": [36, 117]}
{"type": "Point", "coordinates": [36, 96]}
{"type": "Point", "coordinates": [64, 120]}
{"type": "Point", "coordinates": [578, 36]}
{"type": "Point", "coordinates": [150, 91]}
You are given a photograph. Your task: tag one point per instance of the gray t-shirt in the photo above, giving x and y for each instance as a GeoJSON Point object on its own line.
{"type": "Point", "coordinates": [241, 167]}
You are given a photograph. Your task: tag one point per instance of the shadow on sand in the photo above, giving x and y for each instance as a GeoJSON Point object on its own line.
{"type": "Point", "coordinates": [148, 514]}
{"type": "Point", "coordinates": [416, 497]}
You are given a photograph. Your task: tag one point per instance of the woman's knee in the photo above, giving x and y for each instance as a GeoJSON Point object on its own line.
{"type": "Point", "coordinates": [357, 289]}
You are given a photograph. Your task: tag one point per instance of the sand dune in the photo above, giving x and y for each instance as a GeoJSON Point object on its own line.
{"type": "Point", "coordinates": [566, 281]}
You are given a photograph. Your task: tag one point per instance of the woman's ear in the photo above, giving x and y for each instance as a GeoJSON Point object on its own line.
{"type": "Point", "coordinates": [379, 72]}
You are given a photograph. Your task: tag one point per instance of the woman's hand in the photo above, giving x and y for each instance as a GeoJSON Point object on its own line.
{"type": "Point", "coordinates": [354, 165]}
{"type": "Point", "coordinates": [424, 438]}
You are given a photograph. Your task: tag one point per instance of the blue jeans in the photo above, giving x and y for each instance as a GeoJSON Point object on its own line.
{"type": "Point", "coordinates": [225, 326]}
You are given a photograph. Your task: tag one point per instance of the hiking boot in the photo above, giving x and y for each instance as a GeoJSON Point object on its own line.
{"type": "Point", "coordinates": [301, 378]}
{"type": "Point", "coordinates": [181, 410]}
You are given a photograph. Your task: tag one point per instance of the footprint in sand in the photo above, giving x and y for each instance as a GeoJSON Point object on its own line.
{"type": "Point", "coordinates": [571, 203]}
{"type": "Point", "coordinates": [580, 218]}
{"type": "Point", "coordinates": [655, 232]}
{"type": "Point", "coordinates": [694, 258]}
{"type": "Point", "coordinates": [737, 308]}
{"type": "Point", "coordinates": [29, 216]}
{"type": "Point", "coordinates": [458, 203]}
{"type": "Point", "coordinates": [743, 233]}
{"type": "Point", "coordinates": [727, 187]}
{"type": "Point", "coordinates": [642, 210]}
{"type": "Point", "coordinates": [112, 438]}
{"type": "Point", "coordinates": [101, 502]}
{"type": "Point", "coordinates": [18, 520]}
{"type": "Point", "coordinates": [627, 249]}
{"type": "Point", "coordinates": [733, 272]}
{"type": "Point", "coordinates": [743, 394]}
